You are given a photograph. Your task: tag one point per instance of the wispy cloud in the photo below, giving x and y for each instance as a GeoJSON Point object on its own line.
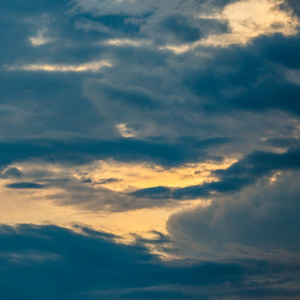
{"type": "Point", "coordinates": [40, 39]}
{"type": "Point", "coordinates": [86, 67]}
{"type": "Point", "coordinates": [125, 131]}
{"type": "Point", "coordinates": [127, 42]}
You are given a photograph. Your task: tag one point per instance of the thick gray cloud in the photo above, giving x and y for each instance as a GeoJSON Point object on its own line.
{"type": "Point", "coordinates": [148, 104]}
{"type": "Point", "coordinates": [82, 150]}
{"type": "Point", "coordinates": [49, 262]}
{"type": "Point", "coordinates": [168, 103]}
{"type": "Point", "coordinates": [263, 218]}
{"type": "Point", "coordinates": [155, 92]}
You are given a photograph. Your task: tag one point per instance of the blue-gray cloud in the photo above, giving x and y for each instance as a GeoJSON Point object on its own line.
{"type": "Point", "coordinates": [203, 105]}
{"type": "Point", "coordinates": [25, 185]}
{"type": "Point", "coordinates": [82, 150]}
{"type": "Point", "coordinates": [259, 220]}
{"type": "Point", "coordinates": [49, 262]}
{"type": "Point", "coordinates": [185, 96]}
{"type": "Point", "coordinates": [243, 173]}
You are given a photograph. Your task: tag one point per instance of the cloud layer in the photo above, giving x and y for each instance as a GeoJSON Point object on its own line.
{"type": "Point", "coordinates": [170, 127]}
{"type": "Point", "coordinates": [89, 265]}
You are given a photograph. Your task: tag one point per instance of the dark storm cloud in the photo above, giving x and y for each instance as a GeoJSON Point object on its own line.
{"type": "Point", "coordinates": [258, 163]}
{"type": "Point", "coordinates": [199, 106]}
{"type": "Point", "coordinates": [178, 99]}
{"type": "Point", "coordinates": [79, 151]}
{"type": "Point", "coordinates": [239, 175]}
{"type": "Point", "coordinates": [48, 262]}
{"type": "Point", "coordinates": [248, 78]}
{"type": "Point", "coordinates": [188, 92]}
{"type": "Point", "coordinates": [155, 91]}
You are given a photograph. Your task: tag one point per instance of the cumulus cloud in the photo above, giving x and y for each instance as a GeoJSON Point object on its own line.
{"type": "Point", "coordinates": [258, 221]}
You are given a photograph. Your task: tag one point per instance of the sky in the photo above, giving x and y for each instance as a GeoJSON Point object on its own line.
{"type": "Point", "coordinates": [149, 149]}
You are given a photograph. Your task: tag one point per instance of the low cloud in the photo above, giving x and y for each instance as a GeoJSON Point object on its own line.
{"type": "Point", "coordinates": [259, 221]}
{"type": "Point", "coordinates": [59, 263]}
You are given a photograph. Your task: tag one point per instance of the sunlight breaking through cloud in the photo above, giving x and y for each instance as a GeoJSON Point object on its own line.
{"type": "Point", "coordinates": [86, 67]}
{"type": "Point", "coordinates": [247, 20]}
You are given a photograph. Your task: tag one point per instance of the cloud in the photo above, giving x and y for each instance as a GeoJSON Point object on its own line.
{"type": "Point", "coordinates": [153, 92]}
{"type": "Point", "coordinates": [87, 67]}
{"type": "Point", "coordinates": [79, 151]}
{"type": "Point", "coordinates": [40, 38]}
{"type": "Point", "coordinates": [101, 123]}
{"type": "Point", "coordinates": [252, 18]}
{"type": "Point", "coordinates": [115, 8]}
{"type": "Point", "coordinates": [243, 173]}
{"type": "Point", "coordinates": [107, 180]}
{"type": "Point", "coordinates": [25, 185]}
{"type": "Point", "coordinates": [259, 221]}
{"type": "Point", "coordinates": [12, 173]}
{"type": "Point", "coordinates": [237, 23]}
{"type": "Point", "coordinates": [59, 263]}
{"type": "Point", "coordinates": [125, 131]}
{"type": "Point", "coordinates": [127, 42]}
